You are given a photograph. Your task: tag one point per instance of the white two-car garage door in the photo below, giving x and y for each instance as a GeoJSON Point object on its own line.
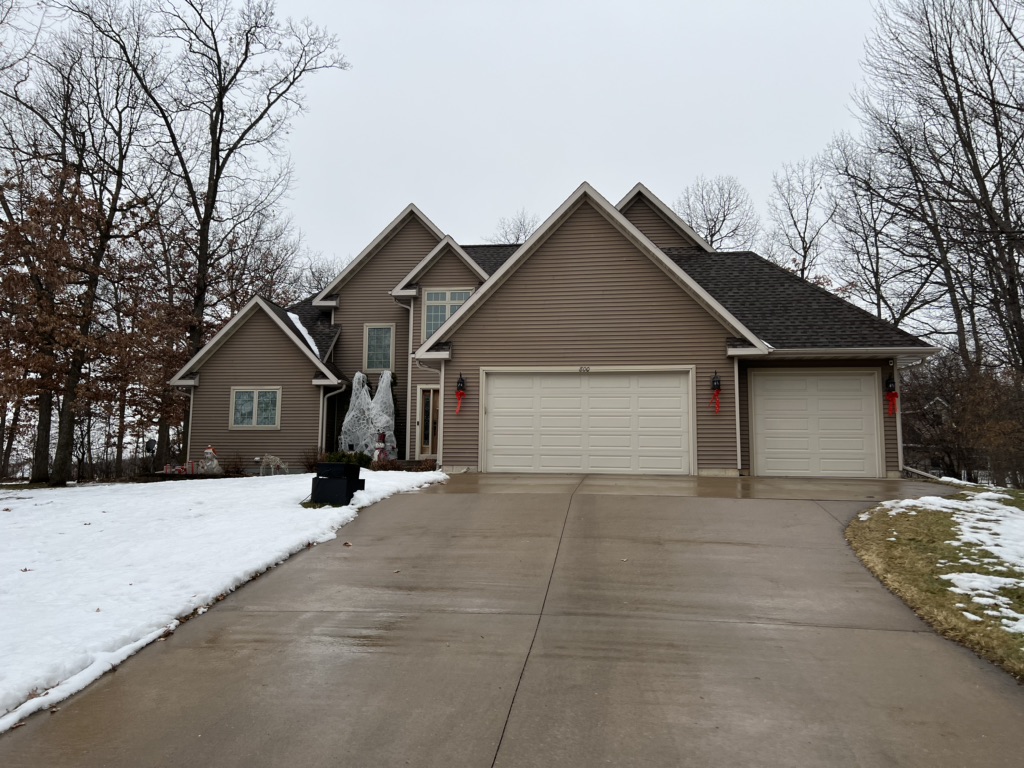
{"type": "Point", "coordinates": [820, 424]}
{"type": "Point", "coordinates": [628, 422]}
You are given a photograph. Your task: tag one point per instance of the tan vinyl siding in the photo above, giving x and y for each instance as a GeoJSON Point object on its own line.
{"type": "Point", "coordinates": [588, 297]}
{"type": "Point", "coordinates": [892, 462]}
{"type": "Point", "coordinates": [258, 354]}
{"type": "Point", "coordinates": [448, 272]}
{"type": "Point", "coordinates": [364, 299]}
{"type": "Point", "coordinates": [650, 222]}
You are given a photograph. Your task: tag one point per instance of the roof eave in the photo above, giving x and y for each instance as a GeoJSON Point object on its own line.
{"type": "Point", "coordinates": [385, 234]}
{"type": "Point", "coordinates": [633, 234]}
{"type": "Point", "coordinates": [428, 261]}
{"type": "Point", "coordinates": [666, 213]}
{"type": "Point", "coordinates": [903, 354]}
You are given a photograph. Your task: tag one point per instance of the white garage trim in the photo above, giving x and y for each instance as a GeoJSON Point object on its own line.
{"type": "Point", "coordinates": [689, 370]}
{"type": "Point", "coordinates": [875, 399]}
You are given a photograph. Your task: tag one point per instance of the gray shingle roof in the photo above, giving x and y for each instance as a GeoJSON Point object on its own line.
{"type": "Point", "coordinates": [317, 321]}
{"type": "Point", "coordinates": [320, 329]}
{"type": "Point", "coordinates": [490, 257]}
{"type": "Point", "coordinates": [783, 310]}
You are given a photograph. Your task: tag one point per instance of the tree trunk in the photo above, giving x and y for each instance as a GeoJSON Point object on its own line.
{"type": "Point", "coordinates": [61, 473]}
{"type": "Point", "coordinates": [122, 397]}
{"type": "Point", "coordinates": [8, 445]}
{"type": "Point", "coordinates": [41, 453]}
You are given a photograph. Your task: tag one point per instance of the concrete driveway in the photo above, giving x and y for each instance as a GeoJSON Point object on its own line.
{"type": "Point", "coordinates": [557, 621]}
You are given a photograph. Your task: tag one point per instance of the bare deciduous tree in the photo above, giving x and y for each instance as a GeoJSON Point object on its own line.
{"type": "Point", "coordinates": [514, 230]}
{"type": "Point", "coordinates": [720, 210]}
{"type": "Point", "coordinates": [800, 211]}
{"type": "Point", "coordinates": [225, 82]}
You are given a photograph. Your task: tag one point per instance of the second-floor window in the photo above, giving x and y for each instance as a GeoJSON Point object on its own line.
{"type": "Point", "coordinates": [379, 347]}
{"type": "Point", "coordinates": [438, 306]}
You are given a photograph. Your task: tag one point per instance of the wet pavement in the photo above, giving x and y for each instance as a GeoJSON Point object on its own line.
{"type": "Point", "coordinates": [557, 621]}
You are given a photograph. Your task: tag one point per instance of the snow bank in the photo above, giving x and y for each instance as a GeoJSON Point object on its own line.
{"type": "Point", "coordinates": [983, 523]}
{"type": "Point", "coordinates": [90, 575]}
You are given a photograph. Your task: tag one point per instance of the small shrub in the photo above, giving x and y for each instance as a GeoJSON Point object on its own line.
{"type": "Point", "coordinates": [310, 458]}
{"type": "Point", "coordinates": [347, 457]}
{"type": "Point", "coordinates": [427, 465]}
{"type": "Point", "coordinates": [390, 465]}
{"type": "Point", "coordinates": [233, 467]}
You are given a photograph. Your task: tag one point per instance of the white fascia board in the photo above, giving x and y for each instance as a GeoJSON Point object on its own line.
{"type": "Point", "coordinates": [427, 261]}
{"type": "Point", "coordinates": [193, 382]}
{"type": "Point", "coordinates": [233, 325]}
{"type": "Point", "coordinates": [856, 352]}
{"type": "Point", "coordinates": [357, 263]}
{"type": "Point", "coordinates": [405, 293]}
{"type": "Point", "coordinates": [442, 354]}
{"type": "Point", "coordinates": [329, 383]}
{"type": "Point", "coordinates": [746, 352]}
{"type": "Point", "coordinates": [666, 212]}
{"type": "Point", "coordinates": [639, 239]}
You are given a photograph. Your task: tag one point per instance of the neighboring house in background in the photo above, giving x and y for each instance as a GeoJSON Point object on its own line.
{"type": "Point", "coordinates": [591, 347]}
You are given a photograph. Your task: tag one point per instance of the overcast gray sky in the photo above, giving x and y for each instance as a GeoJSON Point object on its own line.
{"type": "Point", "coordinates": [473, 110]}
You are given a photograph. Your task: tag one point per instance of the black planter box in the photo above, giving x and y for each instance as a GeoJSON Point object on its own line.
{"type": "Point", "coordinates": [336, 491]}
{"type": "Point", "coordinates": [337, 470]}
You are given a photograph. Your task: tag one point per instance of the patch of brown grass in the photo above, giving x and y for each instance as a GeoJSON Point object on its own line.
{"type": "Point", "coordinates": [905, 551]}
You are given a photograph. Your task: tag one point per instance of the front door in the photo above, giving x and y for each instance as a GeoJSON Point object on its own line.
{"type": "Point", "coordinates": [426, 422]}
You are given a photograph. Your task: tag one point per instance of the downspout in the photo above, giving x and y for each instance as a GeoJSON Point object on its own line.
{"type": "Point", "coordinates": [440, 421]}
{"type": "Point", "coordinates": [408, 380]}
{"type": "Point", "coordinates": [191, 421]}
{"type": "Point", "coordinates": [736, 394]}
{"type": "Point", "coordinates": [899, 417]}
{"type": "Point", "coordinates": [323, 407]}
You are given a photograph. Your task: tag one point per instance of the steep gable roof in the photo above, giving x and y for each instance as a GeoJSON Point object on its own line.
{"type": "Point", "coordinates": [280, 316]}
{"type": "Point", "coordinates": [446, 244]}
{"type": "Point", "coordinates": [785, 310]}
{"type": "Point", "coordinates": [583, 194]}
{"type": "Point", "coordinates": [410, 211]}
{"type": "Point", "coordinates": [317, 322]}
{"type": "Point", "coordinates": [667, 214]}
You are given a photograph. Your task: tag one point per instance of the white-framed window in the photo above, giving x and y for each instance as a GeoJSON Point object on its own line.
{"type": "Point", "coordinates": [378, 347]}
{"type": "Point", "coordinates": [438, 306]}
{"type": "Point", "coordinates": [255, 408]}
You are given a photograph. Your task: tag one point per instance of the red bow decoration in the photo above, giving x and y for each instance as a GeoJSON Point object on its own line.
{"type": "Point", "coordinates": [460, 392]}
{"type": "Point", "coordinates": [892, 397]}
{"type": "Point", "coordinates": [716, 401]}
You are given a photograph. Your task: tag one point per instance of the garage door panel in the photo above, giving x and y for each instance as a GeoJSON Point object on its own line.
{"type": "Point", "coordinates": [671, 441]}
{"type": "Point", "coordinates": [596, 422]}
{"type": "Point", "coordinates": [562, 462]}
{"type": "Point", "coordinates": [512, 421]}
{"type": "Point", "coordinates": [855, 444]}
{"type": "Point", "coordinates": [831, 429]}
{"type": "Point", "coordinates": [604, 421]}
{"type": "Point", "coordinates": [792, 424]}
{"type": "Point", "coordinates": [844, 384]}
{"type": "Point", "coordinates": [787, 443]}
{"type": "Point", "coordinates": [841, 425]}
{"type": "Point", "coordinates": [616, 403]}
{"type": "Point", "coordinates": [555, 440]}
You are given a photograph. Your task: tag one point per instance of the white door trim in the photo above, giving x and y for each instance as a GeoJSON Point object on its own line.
{"type": "Point", "coordinates": [419, 420]}
{"type": "Point", "coordinates": [755, 373]}
{"type": "Point", "coordinates": [690, 370]}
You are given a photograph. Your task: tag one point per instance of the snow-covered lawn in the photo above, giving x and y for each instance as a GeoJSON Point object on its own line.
{"type": "Point", "coordinates": [988, 569]}
{"type": "Point", "coordinates": [90, 575]}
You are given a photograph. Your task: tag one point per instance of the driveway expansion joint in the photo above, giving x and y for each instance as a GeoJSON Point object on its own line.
{"type": "Point", "coordinates": [536, 629]}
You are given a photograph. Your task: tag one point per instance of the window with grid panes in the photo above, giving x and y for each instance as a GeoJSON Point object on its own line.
{"type": "Point", "coordinates": [439, 306]}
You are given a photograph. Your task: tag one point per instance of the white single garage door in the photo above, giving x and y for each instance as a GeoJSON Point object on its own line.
{"type": "Point", "coordinates": [821, 424]}
{"type": "Point", "coordinates": [588, 422]}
